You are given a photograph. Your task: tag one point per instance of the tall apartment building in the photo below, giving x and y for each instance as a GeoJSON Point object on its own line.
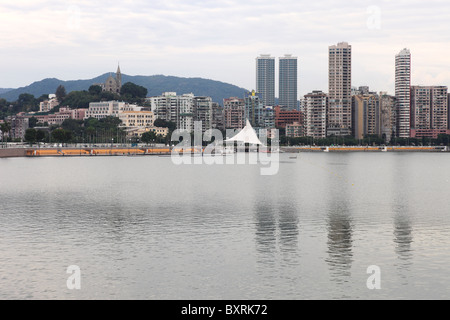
{"type": "Point", "coordinates": [183, 110]}
{"type": "Point", "coordinates": [288, 82]}
{"type": "Point", "coordinates": [265, 79]}
{"type": "Point", "coordinates": [429, 111]}
{"type": "Point", "coordinates": [217, 116]}
{"type": "Point", "coordinates": [203, 111]}
{"type": "Point", "coordinates": [388, 116]}
{"type": "Point", "coordinates": [186, 112]}
{"type": "Point", "coordinates": [339, 113]}
{"type": "Point", "coordinates": [403, 92]}
{"type": "Point", "coordinates": [366, 115]}
{"type": "Point", "coordinates": [19, 124]}
{"type": "Point", "coordinates": [316, 114]}
{"type": "Point", "coordinates": [165, 106]}
{"type": "Point", "coordinates": [234, 113]}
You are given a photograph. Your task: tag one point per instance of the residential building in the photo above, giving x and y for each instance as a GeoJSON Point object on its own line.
{"type": "Point", "coordinates": [203, 112]}
{"type": "Point", "coordinates": [403, 92]}
{"type": "Point", "coordinates": [429, 111]}
{"type": "Point", "coordinates": [19, 124]}
{"type": "Point", "coordinates": [284, 116]}
{"type": "Point", "coordinates": [366, 115]}
{"type": "Point", "coordinates": [234, 113]}
{"type": "Point", "coordinates": [218, 120]}
{"type": "Point", "coordinates": [48, 105]}
{"type": "Point", "coordinates": [388, 116]}
{"type": "Point", "coordinates": [265, 79]}
{"type": "Point", "coordinates": [165, 106]}
{"type": "Point", "coordinates": [316, 114]}
{"type": "Point", "coordinates": [295, 130]}
{"type": "Point", "coordinates": [339, 113]}
{"type": "Point", "coordinates": [288, 82]}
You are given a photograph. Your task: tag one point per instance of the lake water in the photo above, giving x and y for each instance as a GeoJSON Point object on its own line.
{"type": "Point", "coordinates": [145, 228]}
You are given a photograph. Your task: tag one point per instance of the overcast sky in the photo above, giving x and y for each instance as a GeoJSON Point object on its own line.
{"type": "Point", "coordinates": [220, 39]}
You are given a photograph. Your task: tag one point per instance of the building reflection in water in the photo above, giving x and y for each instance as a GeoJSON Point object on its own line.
{"type": "Point", "coordinates": [276, 232]}
{"type": "Point", "coordinates": [340, 229]}
{"type": "Point", "coordinates": [403, 230]}
{"type": "Point", "coordinates": [340, 243]}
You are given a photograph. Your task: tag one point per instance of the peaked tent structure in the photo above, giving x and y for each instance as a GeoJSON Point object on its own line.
{"type": "Point", "coordinates": [247, 135]}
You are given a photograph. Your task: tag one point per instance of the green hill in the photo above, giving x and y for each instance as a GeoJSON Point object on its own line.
{"type": "Point", "coordinates": [155, 85]}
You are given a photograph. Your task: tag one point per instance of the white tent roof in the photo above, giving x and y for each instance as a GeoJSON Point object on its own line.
{"type": "Point", "coordinates": [247, 135]}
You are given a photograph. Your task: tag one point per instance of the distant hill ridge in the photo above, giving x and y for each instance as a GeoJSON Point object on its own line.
{"type": "Point", "coordinates": [156, 85]}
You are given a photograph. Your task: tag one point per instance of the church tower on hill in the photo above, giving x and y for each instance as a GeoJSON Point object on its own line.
{"type": "Point", "coordinates": [113, 84]}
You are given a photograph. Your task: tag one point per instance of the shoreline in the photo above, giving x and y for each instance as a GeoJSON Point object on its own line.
{"type": "Point", "coordinates": [35, 152]}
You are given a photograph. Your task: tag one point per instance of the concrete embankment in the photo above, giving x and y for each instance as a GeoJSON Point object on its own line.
{"type": "Point", "coordinates": [11, 153]}
{"type": "Point", "coordinates": [58, 152]}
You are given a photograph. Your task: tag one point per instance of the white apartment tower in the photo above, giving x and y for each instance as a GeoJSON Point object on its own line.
{"type": "Point", "coordinates": [265, 79]}
{"type": "Point", "coordinates": [288, 81]}
{"type": "Point", "coordinates": [403, 92]}
{"type": "Point", "coordinates": [339, 114]}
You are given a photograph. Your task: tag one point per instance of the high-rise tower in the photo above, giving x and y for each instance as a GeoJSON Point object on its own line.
{"type": "Point", "coordinates": [403, 92]}
{"type": "Point", "coordinates": [339, 114]}
{"type": "Point", "coordinates": [288, 81]}
{"type": "Point", "coordinates": [265, 79]}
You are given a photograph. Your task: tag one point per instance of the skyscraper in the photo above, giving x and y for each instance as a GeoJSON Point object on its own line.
{"type": "Point", "coordinates": [288, 81]}
{"type": "Point", "coordinates": [403, 92]}
{"type": "Point", "coordinates": [265, 79]}
{"type": "Point", "coordinates": [339, 114]}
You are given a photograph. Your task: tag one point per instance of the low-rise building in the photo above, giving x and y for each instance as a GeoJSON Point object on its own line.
{"type": "Point", "coordinates": [295, 130]}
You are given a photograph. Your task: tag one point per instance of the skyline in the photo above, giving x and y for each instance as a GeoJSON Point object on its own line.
{"type": "Point", "coordinates": [220, 40]}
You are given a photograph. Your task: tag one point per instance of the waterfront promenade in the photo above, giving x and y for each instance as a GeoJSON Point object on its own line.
{"type": "Point", "coordinates": [23, 151]}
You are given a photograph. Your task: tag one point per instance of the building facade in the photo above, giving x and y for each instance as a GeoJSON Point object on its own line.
{"type": "Point", "coordinates": [203, 112]}
{"type": "Point", "coordinates": [366, 115]}
{"type": "Point", "coordinates": [388, 116]}
{"type": "Point", "coordinates": [48, 105]}
{"type": "Point", "coordinates": [316, 114]}
{"type": "Point", "coordinates": [100, 110]}
{"type": "Point", "coordinates": [429, 111]}
{"type": "Point", "coordinates": [403, 92]}
{"type": "Point", "coordinates": [339, 113]}
{"type": "Point", "coordinates": [284, 116]}
{"type": "Point", "coordinates": [288, 82]}
{"type": "Point", "coordinates": [295, 130]}
{"type": "Point", "coordinates": [265, 79]}
{"type": "Point", "coordinates": [19, 125]}
{"type": "Point", "coordinates": [234, 113]}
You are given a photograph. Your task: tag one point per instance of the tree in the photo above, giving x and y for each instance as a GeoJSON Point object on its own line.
{"type": "Point", "coordinates": [60, 93]}
{"type": "Point", "coordinates": [148, 137]}
{"type": "Point", "coordinates": [61, 135]}
{"type": "Point", "coordinates": [165, 124]}
{"type": "Point", "coordinates": [95, 90]}
{"type": "Point", "coordinates": [40, 135]}
{"type": "Point", "coordinates": [30, 135]}
{"type": "Point", "coordinates": [26, 103]}
{"type": "Point", "coordinates": [131, 92]}
{"type": "Point", "coordinates": [6, 128]}
{"type": "Point", "coordinates": [32, 122]}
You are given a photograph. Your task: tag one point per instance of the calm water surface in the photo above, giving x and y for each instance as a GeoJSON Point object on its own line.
{"type": "Point", "coordinates": [144, 228]}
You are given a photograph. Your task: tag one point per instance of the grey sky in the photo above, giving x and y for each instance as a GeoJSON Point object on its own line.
{"type": "Point", "coordinates": [220, 40]}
